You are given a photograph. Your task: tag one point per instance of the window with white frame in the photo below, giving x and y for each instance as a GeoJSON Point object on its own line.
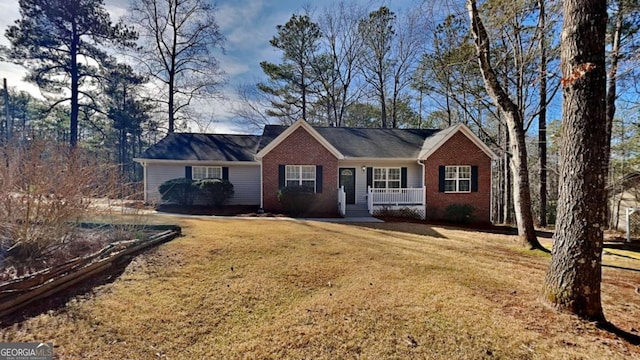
{"type": "Point", "coordinates": [457, 178]}
{"type": "Point", "coordinates": [302, 175]}
{"type": "Point", "coordinates": [386, 178]}
{"type": "Point", "coordinates": [206, 172]}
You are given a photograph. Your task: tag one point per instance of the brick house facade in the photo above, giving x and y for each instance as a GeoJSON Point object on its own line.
{"type": "Point", "coordinates": [458, 150]}
{"type": "Point", "coordinates": [300, 148]}
{"type": "Point", "coordinates": [352, 170]}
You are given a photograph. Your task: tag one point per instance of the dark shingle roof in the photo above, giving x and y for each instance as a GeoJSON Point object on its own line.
{"type": "Point", "coordinates": [213, 147]}
{"type": "Point", "coordinates": [351, 142]}
{"type": "Point", "coordinates": [269, 134]}
{"type": "Point", "coordinates": [364, 142]}
{"type": "Point", "coordinates": [377, 143]}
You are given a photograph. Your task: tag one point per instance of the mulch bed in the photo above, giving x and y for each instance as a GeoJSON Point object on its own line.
{"type": "Point", "coordinates": [488, 227]}
{"type": "Point", "coordinates": [230, 210]}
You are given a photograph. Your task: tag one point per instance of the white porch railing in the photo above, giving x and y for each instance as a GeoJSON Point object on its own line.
{"type": "Point", "coordinates": [342, 201]}
{"type": "Point", "coordinates": [405, 196]}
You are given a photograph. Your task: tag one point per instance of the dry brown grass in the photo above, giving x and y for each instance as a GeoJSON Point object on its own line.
{"type": "Point", "coordinates": [295, 289]}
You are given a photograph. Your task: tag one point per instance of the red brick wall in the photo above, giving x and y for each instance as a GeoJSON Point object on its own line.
{"type": "Point", "coordinates": [459, 150]}
{"type": "Point", "coordinates": [300, 148]}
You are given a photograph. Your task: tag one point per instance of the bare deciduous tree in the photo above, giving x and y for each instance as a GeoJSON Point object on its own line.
{"type": "Point", "coordinates": [178, 41]}
{"type": "Point", "coordinates": [513, 116]}
{"type": "Point", "coordinates": [378, 32]}
{"type": "Point", "coordinates": [343, 45]}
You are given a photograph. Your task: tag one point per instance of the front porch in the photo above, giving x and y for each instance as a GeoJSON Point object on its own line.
{"type": "Point", "coordinates": [388, 199]}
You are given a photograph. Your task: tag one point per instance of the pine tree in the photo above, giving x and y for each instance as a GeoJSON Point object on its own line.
{"type": "Point", "coordinates": [62, 45]}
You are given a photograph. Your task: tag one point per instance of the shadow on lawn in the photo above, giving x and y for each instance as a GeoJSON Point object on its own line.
{"type": "Point", "coordinates": [426, 227]}
{"type": "Point", "coordinates": [624, 335]}
{"type": "Point", "coordinates": [58, 302]}
{"type": "Point", "coordinates": [620, 267]}
{"type": "Point", "coordinates": [418, 229]}
{"type": "Point", "coordinates": [622, 245]}
{"type": "Point", "coordinates": [479, 227]}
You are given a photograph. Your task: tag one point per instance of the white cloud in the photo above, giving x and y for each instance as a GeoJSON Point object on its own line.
{"type": "Point", "coordinates": [248, 26]}
{"type": "Point", "coordinates": [232, 66]}
{"type": "Point", "coordinates": [14, 75]}
{"type": "Point", "coordinates": [10, 12]}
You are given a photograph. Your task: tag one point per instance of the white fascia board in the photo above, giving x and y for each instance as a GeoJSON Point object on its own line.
{"type": "Point", "coordinates": [373, 160]}
{"type": "Point", "coordinates": [196, 162]}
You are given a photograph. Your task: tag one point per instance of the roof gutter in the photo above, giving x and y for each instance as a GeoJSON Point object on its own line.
{"type": "Point", "coordinates": [374, 159]}
{"type": "Point", "coordinates": [196, 162]}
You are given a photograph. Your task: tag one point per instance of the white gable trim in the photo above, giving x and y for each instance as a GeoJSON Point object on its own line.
{"type": "Point", "coordinates": [295, 126]}
{"type": "Point", "coordinates": [460, 127]}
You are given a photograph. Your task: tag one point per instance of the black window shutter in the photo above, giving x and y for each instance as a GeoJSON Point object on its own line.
{"type": "Point", "coordinates": [225, 173]}
{"type": "Point", "coordinates": [403, 177]}
{"type": "Point", "coordinates": [318, 179]}
{"type": "Point", "coordinates": [474, 178]}
{"type": "Point", "coordinates": [370, 176]}
{"type": "Point", "coordinates": [281, 176]}
{"type": "Point", "coordinates": [188, 171]}
{"type": "Point", "coordinates": [441, 178]}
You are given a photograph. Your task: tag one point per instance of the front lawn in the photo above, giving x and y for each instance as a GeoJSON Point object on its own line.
{"type": "Point", "coordinates": [302, 289]}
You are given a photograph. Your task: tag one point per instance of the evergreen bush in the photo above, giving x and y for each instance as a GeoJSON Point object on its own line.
{"type": "Point", "coordinates": [216, 192]}
{"type": "Point", "coordinates": [181, 191]}
{"type": "Point", "coordinates": [459, 213]}
{"type": "Point", "coordinates": [296, 200]}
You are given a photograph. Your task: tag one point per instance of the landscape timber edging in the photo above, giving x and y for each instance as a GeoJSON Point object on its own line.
{"type": "Point", "coordinates": [18, 293]}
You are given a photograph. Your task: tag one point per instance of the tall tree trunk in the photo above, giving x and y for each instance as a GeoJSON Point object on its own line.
{"type": "Point", "coordinates": [507, 202]}
{"type": "Point", "coordinates": [5, 125]}
{"type": "Point", "coordinates": [612, 87]}
{"type": "Point", "coordinates": [420, 108]}
{"type": "Point", "coordinates": [448, 109]}
{"type": "Point", "coordinates": [383, 104]}
{"type": "Point", "coordinates": [123, 133]}
{"type": "Point", "coordinates": [542, 117]}
{"type": "Point", "coordinates": [573, 281]}
{"type": "Point", "coordinates": [75, 79]}
{"type": "Point", "coordinates": [173, 11]}
{"type": "Point", "coordinates": [611, 76]}
{"type": "Point", "coordinates": [171, 105]}
{"type": "Point", "coordinates": [500, 186]}
{"type": "Point", "coordinates": [303, 91]}
{"type": "Point", "coordinates": [512, 115]}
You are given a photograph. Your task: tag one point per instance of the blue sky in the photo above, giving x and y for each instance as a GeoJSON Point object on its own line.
{"type": "Point", "coordinates": [248, 26]}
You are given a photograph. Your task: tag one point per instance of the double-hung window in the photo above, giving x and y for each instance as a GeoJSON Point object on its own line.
{"type": "Point", "coordinates": [457, 179]}
{"type": "Point", "coordinates": [301, 175]}
{"type": "Point", "coordinates": [386, 178]}
{"type": "Point", "coordinates": [206, 172]}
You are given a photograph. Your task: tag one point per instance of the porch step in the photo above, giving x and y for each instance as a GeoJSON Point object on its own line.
{"type": "Point", "coordinates": [357, 210]}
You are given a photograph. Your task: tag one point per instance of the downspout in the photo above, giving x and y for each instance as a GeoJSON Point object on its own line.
{"type": "Point", "coordinates": [144, 181]}
{"type": "Point", "coordinates": [423, 174]}
{"type": "Point", "coordinates": [424, 188]}
{"type": "Point", "coordinates": [261, 210]}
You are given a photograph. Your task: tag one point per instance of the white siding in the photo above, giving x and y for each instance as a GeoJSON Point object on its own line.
{"type": "Point", "coordinates": [619, 203]}
{"type": "Point", "coordinates": [414, 175]}
{"type": "Point", "coordinates": [245, 180]}
{"type": "Point", "coordinates": [159, 173]}
{"type": "Point", "coordinates": [246, 185]}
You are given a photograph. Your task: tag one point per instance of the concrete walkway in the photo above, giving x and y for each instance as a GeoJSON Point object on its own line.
{"type": "Point", "coordinates": [364, 219]}
{"type": "Point", "coordinates": [118, 207]}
